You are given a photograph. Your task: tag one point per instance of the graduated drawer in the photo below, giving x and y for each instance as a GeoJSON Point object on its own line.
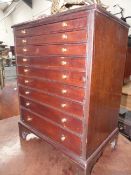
{"type": "Point", "coordinates": [52, 131]}
{"type": "Point", "coordinates": [53, 61]}
{"type": "Point", "coordinates": [66, 37]}
{"type": "Point", "coordinates": [65, 76]}
{"type": "Point", "coordinates": [56, 116]}
{"type": "Point", "coordinates": [46, 50]}
{"type": "Point", "coordinates": [67, 91]}
{"type": "Point", "coordinates": [74, 108]}
{"type": "Point", "coordinates": [54, 27]}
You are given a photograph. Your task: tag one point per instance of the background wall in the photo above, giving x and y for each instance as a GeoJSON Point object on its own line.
{"type": "Point", "coordinates": [20, 14]}
{"type": "Point", "coordinates": [5, 31]}
{"type": "Point", "coordinates": [24, 13]}
{"type": "Point", "coordinates": [125, 4]}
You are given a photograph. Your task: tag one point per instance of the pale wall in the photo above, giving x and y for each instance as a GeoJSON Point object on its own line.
{"type": "Point", "coordinates": [21, 14]}
{"type": "Point", "coordinates": [126, 4]}
{"type": "Point", "coordinates": [5, 31]}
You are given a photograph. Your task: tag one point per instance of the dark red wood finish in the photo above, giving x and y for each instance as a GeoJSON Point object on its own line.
{"type": "Point", "coordinates": [70, 71]}
{"type": "Point", "coordinates": [53, 62]}
{"type": "Point", "coordinates": [52, 114]}
{"type": "Point", "coordinates": [55, 27]}
{"type": "Point", "coordinates": [52, 131]}
{"type": "Point", "coordinates": [71, 92]}
{"type": "Point", "coordinates": [66, 37]}
{"type": "Point", "coordinates": [45, 50]}
{"type": "Point", "coordinates": [60, 103]}
{"type": "Point", "coordinates": [106, 79]}
{"type": "Point", "coordinates": [64, 76]}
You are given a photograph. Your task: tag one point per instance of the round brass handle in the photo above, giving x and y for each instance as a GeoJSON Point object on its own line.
{"type": "Point", "coordinates": [84, 79]}
{"type": "Point", "coordinates": [62, 57]}
{"type": "Point", "coordinates": [24, 50]}
{"type": "Point", "coordinates": [24, 41]}
{"type": "Point", "coordinates": [23, 31]}
{"type": "Point", "coordinates": [64, 36]}
{"type": "Point", "coordinates": [63, 120]}
{"type": "Point", "coordinates": [26, 81]}
{"type": "Point", "coordinates": [26, 70]}
{"type": "Point", "coordinates": [64, 91]}
{"type": "Point", "coordinates": [27, 92]}
{"type": "Point", "coordinates": [29, 118]}
{"type": "Point", "coordinates": [63, 105]}
{"type": "Point", "coordinates": [64, 24]}
{"type": "Point", "coordinates": [24, 59]}
{"type": "Point", "coordinates": [63, 62]}
{"type": "Point", "coordinates": [64, 76]}
{"type": "Point", "coordinates": [63, 138]}
{"type": "Point", "coordinates": [64, 49]}
{"type": "Point", "coordinates": [27, 103]}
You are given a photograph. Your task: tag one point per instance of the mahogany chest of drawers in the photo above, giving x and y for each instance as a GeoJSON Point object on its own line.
{"type": "Point", "coordinates": [70, 69]}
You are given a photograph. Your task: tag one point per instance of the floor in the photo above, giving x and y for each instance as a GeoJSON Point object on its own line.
{"type": "Point", "coordinates": [35, 157]}
{"type": "Point", "coordinates": [9, 105]}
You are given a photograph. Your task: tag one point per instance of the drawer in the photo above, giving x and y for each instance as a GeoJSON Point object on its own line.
{"type": "Point", "coordinates": [66, 37]}
{"type": "Point", "coordinates": [53, 61]}
{"type": "Point", "coordinates": [67, 91]}
{"type": "Point", "coordinates": [58, 117]}
{"type": "Point", "coordinates": [71, 107]}
{"type": "Point", "coordinates": [46, 50]}
{"type": "Point", "coordinates": [54, 27]}
{"type": "Point", "coordinates": [53, 132]}
{"type": "Point", "coordinates": [67, 77]}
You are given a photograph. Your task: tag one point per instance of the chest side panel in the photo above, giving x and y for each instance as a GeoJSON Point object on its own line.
{"type": "Point", "coordinates": [110, 43]}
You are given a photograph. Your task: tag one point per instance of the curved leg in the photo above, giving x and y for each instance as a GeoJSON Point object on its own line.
{"type": "Point", "coordinates": [114, 143]}
{"type": "Point", "coordinates": [23, 132]}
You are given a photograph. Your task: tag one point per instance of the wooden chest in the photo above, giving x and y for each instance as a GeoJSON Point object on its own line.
{"type": "Point", "coordinates": [70, 69]}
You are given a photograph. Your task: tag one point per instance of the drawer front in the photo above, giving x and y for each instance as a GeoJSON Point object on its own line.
{"type": "Point", "coordinates": [54, 27]}
{"type": "Point", "coordinates": [52, 61]}
{"type": "Point", "coordinates": [71, 107]}
{"type": "Point", "coordinates": [71, 92]}
{"type": "Point", "coordinates": [78, 50]}
{"type": "Point", "coordinates": [66, 37]}
{"type": "Point", "coordinates": [66, 77]}
{"type": "Point", "coordinates": [58, 117]}
{"type": "Point", "coordinates": [50, 130]}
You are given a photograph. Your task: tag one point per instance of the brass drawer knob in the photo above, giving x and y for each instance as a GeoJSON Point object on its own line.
{"type": "Point", "coordinates": [64, 76]}
{"type": "Point", "coordinates": [24, 41]}
{"type": "Point", "coordinates": [64, 91]}
{"type": "Point", "coordinates": [26, 81]}
{"type": "Point", "coordinates": [23, 31]}
{"type": "Point", "coordinates": [64, 36]}
{"type": "Point", "coordinates": [64, 24]}
{"type": "Point", "coordinates": [27, 104]}
{"type": "Point", "coordinates": [24, 59]}
{"type": "Point", "coordinates": [63, 138]}
{"type": "Point", "coordinates": [63, 105]}
{"type": "Point", "coordinates": [26, 70]}
{"type": "Point", "coordinates": [24, 50]}
{"type": "Point", "coordinates": [84, 79]}
{"type": "Point", "coordinates": [64, 49]}
{"type": "Point", "coordinates": [27, 92]}
{"type": "Point", "coordinates": [63, 120]}
{"type": "Point", "coordinates": [63, 62]}
{"type": "Point", "coordinates": [29, 118]}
